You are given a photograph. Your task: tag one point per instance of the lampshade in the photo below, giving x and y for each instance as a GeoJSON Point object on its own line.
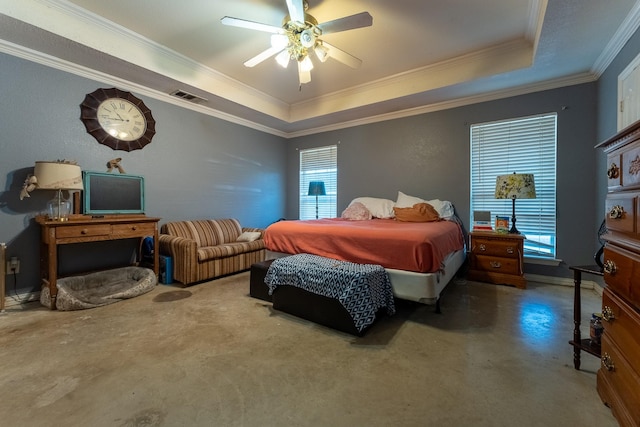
{"type": "Point", "coordinates": [316, 188]}
{"type": "Point", "coordinates": [515, 186]}
{"type": "Point", "coordinates": [58, 176]}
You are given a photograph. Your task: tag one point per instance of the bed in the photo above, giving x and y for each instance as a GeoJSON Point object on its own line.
{"type": "Point", "coordinates": [421, 258]}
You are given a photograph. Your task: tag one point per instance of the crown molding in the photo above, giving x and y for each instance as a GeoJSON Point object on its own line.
{"type": "Point", "coordinates": [629, 26]}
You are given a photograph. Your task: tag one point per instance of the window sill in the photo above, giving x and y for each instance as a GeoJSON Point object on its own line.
{"type": "Point", "coordinates": [542, 261]}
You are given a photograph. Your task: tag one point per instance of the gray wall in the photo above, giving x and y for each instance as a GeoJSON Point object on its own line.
{"type": "Point", "coordinates": [196, 166]}
{"type": "Point", "coordinates": [428, 156]}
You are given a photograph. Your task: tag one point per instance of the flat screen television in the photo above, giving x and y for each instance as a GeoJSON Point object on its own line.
{"type": "Point", "coordinates": [110, 193]}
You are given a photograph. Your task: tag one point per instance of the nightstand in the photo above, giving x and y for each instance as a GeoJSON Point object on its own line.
{"type": "Point", "coordinates": [497, 258]}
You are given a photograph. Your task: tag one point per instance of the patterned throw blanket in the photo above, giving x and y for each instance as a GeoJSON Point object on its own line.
{"type": "Point", "coordinates": [362, 289]}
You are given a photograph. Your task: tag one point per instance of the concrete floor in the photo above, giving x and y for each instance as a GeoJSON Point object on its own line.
{"type": "Point", "coordinates": [210, 355]}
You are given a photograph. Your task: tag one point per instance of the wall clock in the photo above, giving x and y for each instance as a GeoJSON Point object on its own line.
{"type": "Point", "coordinates": [117, 119]}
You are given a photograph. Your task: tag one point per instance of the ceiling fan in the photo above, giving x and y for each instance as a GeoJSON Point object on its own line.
{"type": "Point", "coordinates": [299, 35]}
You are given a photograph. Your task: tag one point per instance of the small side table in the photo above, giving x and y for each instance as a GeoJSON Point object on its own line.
{"type": "Point", "coordinates": [578, 343]}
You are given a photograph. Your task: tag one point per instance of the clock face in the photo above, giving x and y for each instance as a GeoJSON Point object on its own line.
{"type": "Point", "coordinates": [117, 119]}
{"type": "Point", "coordinates": [121, 119]}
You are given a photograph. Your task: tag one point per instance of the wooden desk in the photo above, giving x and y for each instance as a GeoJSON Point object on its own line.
{"type": "Point", "coordinates": [578, 343]}
{"type": "Point", "coordinates": [82, 229]}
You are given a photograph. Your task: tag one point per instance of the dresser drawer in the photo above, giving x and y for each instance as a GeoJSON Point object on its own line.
{"type": "Point", "coordinates": [497, 264]}
{"type": "Point", "coordinates": [622, 325]}
{"type": "Point", "coordinates": [82, 231]}
{"type": "Point", "coordinates": [631, 167]}
{"type": "Point", "coordinates": [622, 378]}
{"type": "Point", "coordinates": [621, 273]}
{"type": "Point", "coordinates": [133, 229]}
{"type": "Point", "coordinates": [496, 247]}
{"type": "Point", "coordinates": [621, 212]}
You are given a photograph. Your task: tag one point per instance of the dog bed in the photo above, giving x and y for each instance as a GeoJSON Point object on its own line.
{"type": "Point", "coordinates": [100, 288]}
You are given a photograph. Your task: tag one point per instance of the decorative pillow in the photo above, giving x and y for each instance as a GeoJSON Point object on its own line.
{"type": "Point", "coordinates": [443, 207]}
{"type": "Point", "coordinates": [356, 212]}
{"type": "Point", "coordinates": [420, 212]}
{"type": "Point", "coordinates": [249, 236]}
{"type": "Point", "coordinates": [379, 208]}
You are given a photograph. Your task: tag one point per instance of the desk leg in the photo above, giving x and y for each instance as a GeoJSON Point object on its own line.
{"type": "Point", "coordinates": [577, 279]}
{"type": "Point", "coordinates": [52, 273]}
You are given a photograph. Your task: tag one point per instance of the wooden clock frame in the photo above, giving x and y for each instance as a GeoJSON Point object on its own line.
{"type": "Point", "coordinates": [88, 115]}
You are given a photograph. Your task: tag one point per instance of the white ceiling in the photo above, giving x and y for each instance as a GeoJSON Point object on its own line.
{"type": "Point", "coordinates": [418, 56]}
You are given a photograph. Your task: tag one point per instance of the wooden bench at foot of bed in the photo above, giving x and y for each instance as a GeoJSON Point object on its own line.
{"type": "Point", "coordinates": [321, 309]}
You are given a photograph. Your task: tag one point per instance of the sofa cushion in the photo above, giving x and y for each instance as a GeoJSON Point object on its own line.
{"type": "Point", "coordinates": [206, 232]}
{"type": "Point", "coordinates": [228, 249]}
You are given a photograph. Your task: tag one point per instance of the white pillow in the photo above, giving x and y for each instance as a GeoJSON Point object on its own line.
{"type": "Point", "coordinates": [443, 207]}
{"type": "Point", "coordinates": [379, 208]}
{"type": "Point", "coordinates": [249, 236]}
{"type": "Point", "coordinates": [405, 201]}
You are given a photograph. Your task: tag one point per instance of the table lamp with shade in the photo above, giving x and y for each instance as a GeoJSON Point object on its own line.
{"type": "Point", "coordinates": [316, 188]}
{"type": "Point", "coordinates": [515, 186]}
{"type": "Point", "coordinates": [59, 175]}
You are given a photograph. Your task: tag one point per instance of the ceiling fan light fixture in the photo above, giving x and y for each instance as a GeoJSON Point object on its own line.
{"type": "Point", "coordinates": [306, 64]}
{"type": "Point", "coordinates": [307, 38]}
{"type": "Point", "coordinates": [283, 58]}
{"type": "Point", "coordinates": [279, 41]}
{"type": "Point", "coordinates": [321, 52]}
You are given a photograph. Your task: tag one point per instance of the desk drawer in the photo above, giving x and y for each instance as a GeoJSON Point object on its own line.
{"type": "Point", "coordinates": [132, 229]}
{"type": "Point", "coordinates": [497, 264]}
{"type": "Point", "coordinates": [621, 272]}
{"type": "Point", "coordinates": [82, 231]}
{"type": "Point", "coordinates": [495, 247]}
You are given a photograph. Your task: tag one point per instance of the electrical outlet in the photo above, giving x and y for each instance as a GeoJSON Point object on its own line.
{"type": "Point", "coordinates": [13, 265]}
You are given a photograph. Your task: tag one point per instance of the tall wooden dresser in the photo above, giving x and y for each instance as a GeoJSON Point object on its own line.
{"type": "Point", "coordinates": [619, 374]}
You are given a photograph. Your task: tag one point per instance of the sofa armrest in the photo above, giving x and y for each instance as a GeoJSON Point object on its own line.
{"type": "Point", "coordinates": [185, 256]}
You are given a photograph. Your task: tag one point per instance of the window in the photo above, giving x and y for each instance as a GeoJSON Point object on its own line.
{"type": "Point", "coordinates": [523, 145]}
{"type": "Point", "coordinates": [319, 164]}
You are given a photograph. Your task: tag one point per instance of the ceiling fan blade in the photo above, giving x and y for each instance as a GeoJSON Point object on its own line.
{"type": "Point", "coordinates": [296, 10]}
{"type": "Point", "coordinates": [263, 56]}
{"type": "Point", "coordinates": [303, 76]}
{"type": "Point", "coordinates": [351, 22]}
{"type": "Point", "coordinates": [342, 56]}
{"type": "Point", "coordinates": [243, 23]}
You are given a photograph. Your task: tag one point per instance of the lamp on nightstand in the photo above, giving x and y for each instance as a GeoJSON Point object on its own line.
{"type": "Point", "coordinates": [515, 186]}
{"type": "Point", "coordinates": [316, 188]}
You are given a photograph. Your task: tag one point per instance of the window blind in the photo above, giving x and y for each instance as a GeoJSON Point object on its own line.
{"type": "Point", "coordinates": [319, 164]}
{"type": "Point", "coordinates": [522, 145]}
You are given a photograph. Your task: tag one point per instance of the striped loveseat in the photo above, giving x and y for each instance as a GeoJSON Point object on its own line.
{"type": "Point", "coordinates": [205, 249]}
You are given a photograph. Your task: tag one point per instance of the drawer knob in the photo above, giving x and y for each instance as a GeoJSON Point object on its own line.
{"type": "Point", "coordinates": [607, 314]}
{"type": "Point", "coordinates": [84, 231]}
{"type": "Point", "coordinates": [613, 171]}
{"type": "Point", "coordinates": [496, 264]}
{"type": "Point", "coordinates": [610, 267]}
{"type": "Point", "coordinates": [616, 212]}
{"type": "Point", "coordinates": [510, 250]}
{"type": "Point", "coordinates": [607, 362]}
{"type": "Point", "coordinates": [134, 228]}
{"type": "Point", "coordinates": [482, 247]}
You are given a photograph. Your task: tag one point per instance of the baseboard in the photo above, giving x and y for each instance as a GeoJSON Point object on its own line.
{"type": "Point", "coordinates": [563, 281]}
{"type": "Point", "coordinates": [19, 299]}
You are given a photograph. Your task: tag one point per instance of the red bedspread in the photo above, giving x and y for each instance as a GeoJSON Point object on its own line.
{"type": "Point", "coordinates": [412, 246]}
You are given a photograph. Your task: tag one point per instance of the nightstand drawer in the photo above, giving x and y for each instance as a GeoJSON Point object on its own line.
{"type": "Point", "coordinates": [497, 264]}
{"type": "Point", "coordinates": [496, 247]}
